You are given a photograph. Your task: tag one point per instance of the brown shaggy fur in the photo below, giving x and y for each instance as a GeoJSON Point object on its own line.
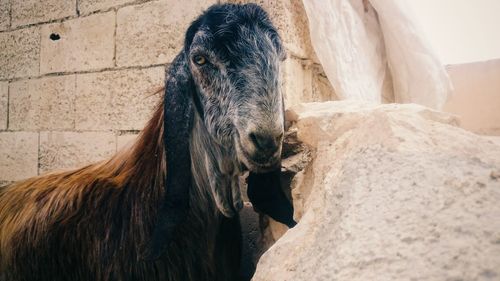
{"type": "Point", "coordinates": [92, 223]}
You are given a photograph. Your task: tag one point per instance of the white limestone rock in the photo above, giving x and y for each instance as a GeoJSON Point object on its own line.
{"type": "Point", "coordinates": [394, 192]}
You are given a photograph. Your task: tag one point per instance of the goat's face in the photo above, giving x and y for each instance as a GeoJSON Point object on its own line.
{"type": "Point", "coordinates": [234, 55]}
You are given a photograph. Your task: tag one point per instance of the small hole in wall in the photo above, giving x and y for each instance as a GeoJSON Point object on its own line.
{"type": "Point", "coordinates": [54, 37]}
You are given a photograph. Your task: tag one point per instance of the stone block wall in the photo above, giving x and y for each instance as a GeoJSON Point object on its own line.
{"type": "Point", "coordinates": [77, 77]}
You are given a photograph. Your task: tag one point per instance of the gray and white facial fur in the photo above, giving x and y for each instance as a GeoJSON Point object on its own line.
{"type": "Point", "coordinates": [234, 55]}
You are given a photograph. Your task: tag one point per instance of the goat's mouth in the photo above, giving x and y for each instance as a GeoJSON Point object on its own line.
{"type": "Point", "coordinates": [256, 165]}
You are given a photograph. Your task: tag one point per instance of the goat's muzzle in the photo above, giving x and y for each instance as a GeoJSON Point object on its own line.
{"type": "Point", "coordinates": [260, 151]}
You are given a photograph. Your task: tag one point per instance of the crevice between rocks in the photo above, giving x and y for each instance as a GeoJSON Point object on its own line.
{"type": "Point", "coordinates": [260, 232]}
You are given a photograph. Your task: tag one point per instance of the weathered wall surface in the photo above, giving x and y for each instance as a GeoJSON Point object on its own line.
{"type": "Point", "coordinates": [394, 192]}
{"type": "Point", "coordinates": [477, 96]}
{"type": "Point", "coordinates": [76, 77]}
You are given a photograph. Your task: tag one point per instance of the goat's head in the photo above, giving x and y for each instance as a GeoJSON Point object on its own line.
{"type": "Point", "coordinates": [228, 72]}
{"type": "Point", "coordinates": [234, 55]}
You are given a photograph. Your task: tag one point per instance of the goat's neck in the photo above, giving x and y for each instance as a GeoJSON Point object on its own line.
{"type": "Point", "coordinates": [215, 170]}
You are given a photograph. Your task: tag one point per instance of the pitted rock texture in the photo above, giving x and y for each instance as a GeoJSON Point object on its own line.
{"type": "Point", "coordinates": [394, 192]}
{"type": "Point", "coordinates": [68, 150]}
{"type": "Point", "coordinates": [42, 104]}
{"type": "Point", "coordinates": [82, 44]}
{"type": "Point", "coordinates": [4, 100]}
{"type": "Point", "coordinates": [34, 11]}
{"type": "Point", "coordinates": [152, 33]}
{"type": "Point", "coordinates": [20, 50]}
{"type": "Point", "coordinates": [119, 100]}
{"type": "Point", "coordinates": [4, 15]}
{"type": "Point", "coordinates": [89, 6]}
{"type": "Point", "coordinates": [18, 156]}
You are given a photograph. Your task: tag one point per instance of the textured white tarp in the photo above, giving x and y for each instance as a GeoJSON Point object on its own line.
{"type": "Point", "coordinates": [372, 50]}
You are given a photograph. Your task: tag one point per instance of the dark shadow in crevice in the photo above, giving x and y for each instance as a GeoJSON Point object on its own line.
{"type": "Point", "coordinates": [256, 233]}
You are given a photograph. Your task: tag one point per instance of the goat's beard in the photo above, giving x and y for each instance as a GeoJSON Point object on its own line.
{"type": "Point", "coordinates": [227, 194]}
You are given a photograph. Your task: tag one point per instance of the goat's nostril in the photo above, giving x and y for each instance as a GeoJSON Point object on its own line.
{"type": "Point", "coordinates": [254, 139]}
{"type": "Point", "coordinates": [265, 142]}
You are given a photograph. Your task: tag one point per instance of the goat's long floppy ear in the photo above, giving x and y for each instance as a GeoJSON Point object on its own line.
{"type": "Point", "coordinates": [266, 194]}
{"type": "Point", "coordinates": [178, 115]}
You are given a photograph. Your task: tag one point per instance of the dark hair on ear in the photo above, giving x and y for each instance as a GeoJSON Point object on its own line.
{"type": "Point", "coordinates": [191, 31]}
{"type": "Point", "coordinates": [178, 116]}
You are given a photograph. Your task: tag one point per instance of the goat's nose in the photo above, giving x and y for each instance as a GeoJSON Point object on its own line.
{"type": "Point", "coordinates": [266, 142]}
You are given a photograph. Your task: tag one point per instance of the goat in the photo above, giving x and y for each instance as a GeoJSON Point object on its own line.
{"type": "Point", "coordinates": [167, 207]}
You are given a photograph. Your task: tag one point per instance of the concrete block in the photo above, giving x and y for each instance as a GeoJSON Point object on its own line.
{"type": "Point", "coordinates": [322, 89]}
{"type": "Point", "coordinates": [4, 104]}
{"type": "Point", "coordinates": [18, 155]}
{"type": "Point", "coordinates": [19, 53]}
{"type": "Point", "coordinates": [42, 104]}
{"type": "Point", "coordinates": [296, 81]}
{"type": "Point", "coordinates": [393, 192]}
{"type": "Point", "coordinates": [64, 150]}
{"type": "Point", "coordinates": [125, 140]}
{"type": "Point", "coordinates": [4, 183]}
{"type": "Point", "coordinates": [476, 97]}
{"type": "Point", "coordinates": [78, 45]}
{"type": "Point", "coordinates": [35, 11]}
{"type": "Point", "coordinates": [153, 33]}
{"type": "Point", "coordinates": [118, 100]}
{"type": "Point", "coordinates": [4, 14]}
{"type": "Point", "coordinates": [290, 19]}
{"type": "Point", "coordinates": [89, 6]}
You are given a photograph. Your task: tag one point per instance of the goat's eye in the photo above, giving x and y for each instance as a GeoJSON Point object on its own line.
{"type": "Point", "coordinates": [199, 60]}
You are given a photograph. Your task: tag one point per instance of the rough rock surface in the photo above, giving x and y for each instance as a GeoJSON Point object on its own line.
{"type": "Point", "coordinates": [394, 192]}
{"type": "Point", "coordinates": [82, 44]}
{"type": "Point", "coordinates": [4, 100]}
{"type": "Point", "coordinates": [19, 53]}
{"type": "Point", "coordinates": [153, 32]}
{"type": "Point", "coordinates": [69, 150]}
{"type": "Point", "coordinates": [119, 100]}
{"type": "Point", "coordinates": [42, 104]}
{"type": "Point", "coordinates": [18, 156]}
{"type": "Point", "coordinates": [34, 11]}
{"type": "Point", "coordinates": [4, 15]}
